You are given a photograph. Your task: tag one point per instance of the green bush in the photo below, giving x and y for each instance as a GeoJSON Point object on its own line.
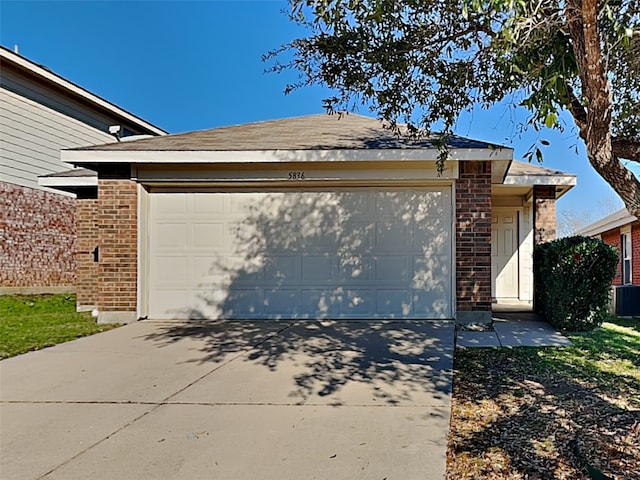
{"type": "Point", "coordinates": [573, 281]}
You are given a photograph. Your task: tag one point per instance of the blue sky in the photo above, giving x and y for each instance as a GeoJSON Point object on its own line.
{"type": "Point", "coordinates": [192, 65]}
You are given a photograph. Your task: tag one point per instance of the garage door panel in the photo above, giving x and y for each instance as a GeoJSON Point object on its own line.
{"type": "Point", "coordinates": [170, 269]}
{"type": "Point", "coordinates": [430, 273]}
{"type": "Point", "coordinates": [392, 204]}
{"type": "Point", "coordinates": [320, 303]}
{"type": "Point", "coordinates": [174, 301]}
{"type": "Point", "coordinates": [355, 268]}
{"type": "Point", "coordinates": [356, 205]}
{"type": "Point", "coordinates": [393, 303]}
{"type": "Point", "coordinates": [391, 237]}
{"type": "Point", "coordinates": [430, 234]}
{"type": "Point", "coordinates": [170, 235]}
{"type": "Point", "coordinates": [207, 269]}
{"type": "Point", "coordinates": [281, 269]}
{"type": "Point", "coordinates": [243, 303]}
{"type": "Point", "coordinates": [281, 302]}
{"type": "Point", "coordinates": [168, 206]}
{"type": "Point", "coordinates": [208, 236]}
{"type": "Point", "coordinates": [206, 205]}
{"type": "Point", "coordinates": [318, 268]}
{"type": "Point", "coordinates": [392, 269]}
{"type": "Point", "coordinates": [344, 254]}
{"type": "Point", "coordinates": [430, 304]}
{"type": "Point", "coordinates": [357, 237]}
{"type": "Point", "coordinates": [357, 303]}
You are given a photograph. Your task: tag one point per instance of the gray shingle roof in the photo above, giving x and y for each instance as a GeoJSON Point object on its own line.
{"type": "Point", "coordinates": [313, 132]}
{"type": "Point", "coordinates": [524, 168]}
{"type": "Point", "coordinates": [75, 173]}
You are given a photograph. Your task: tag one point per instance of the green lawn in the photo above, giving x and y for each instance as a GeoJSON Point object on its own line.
{"type": "Point", "coordinates": [32, 322]}
{"type": "Point", "coordinates": [549, 412]}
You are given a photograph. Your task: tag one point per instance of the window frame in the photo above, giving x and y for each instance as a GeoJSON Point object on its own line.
{"type": "Point", "coordinates": [625, 255]}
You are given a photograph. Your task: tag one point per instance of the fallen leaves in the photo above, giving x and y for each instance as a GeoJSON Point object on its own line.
{"type": "Point", "coordinates": [512, 419]}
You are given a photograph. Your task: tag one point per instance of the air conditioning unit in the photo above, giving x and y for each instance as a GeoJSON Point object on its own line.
{"type": "Point", "coordinates": [626, 300]}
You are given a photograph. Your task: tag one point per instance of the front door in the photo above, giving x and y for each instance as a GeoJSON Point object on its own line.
{"type": "Point", "coordinates": [504, 254]}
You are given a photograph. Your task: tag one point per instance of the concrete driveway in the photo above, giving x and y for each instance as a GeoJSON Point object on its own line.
{"type": "Point", "coordinates": [232, 400]}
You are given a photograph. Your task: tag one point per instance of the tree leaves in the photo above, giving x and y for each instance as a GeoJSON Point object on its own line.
{"type": "Point", "coordinates": [425, 62]}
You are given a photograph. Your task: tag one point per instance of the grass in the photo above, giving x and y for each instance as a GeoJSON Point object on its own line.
{"type": "Point", "coordinates": [549, 412]}
{"type": "Point", "coordinates": [32, 322]}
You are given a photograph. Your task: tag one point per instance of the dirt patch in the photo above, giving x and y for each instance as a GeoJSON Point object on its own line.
{"type": "Point", "coordinates": [514, 418]}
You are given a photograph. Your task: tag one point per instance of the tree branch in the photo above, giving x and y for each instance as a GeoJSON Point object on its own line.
{"type": "Point", "coordinates": [627, 148]}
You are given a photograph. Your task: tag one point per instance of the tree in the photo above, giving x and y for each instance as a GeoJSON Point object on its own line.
{"type": "Point", "coordinates": [424, 62]}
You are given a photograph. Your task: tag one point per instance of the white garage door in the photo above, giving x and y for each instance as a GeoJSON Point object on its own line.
{"type": "Point", "coordinates": [342, 254]}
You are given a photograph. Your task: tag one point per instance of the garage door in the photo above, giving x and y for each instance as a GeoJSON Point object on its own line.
{"type": "Point", "coordinates": [313, 254]}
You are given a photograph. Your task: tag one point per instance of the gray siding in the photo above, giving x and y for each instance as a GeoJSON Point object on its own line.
{"type": "Point", "coordinates": [61, 101]}
{"type": "Point", "coordinates": [32, 135]}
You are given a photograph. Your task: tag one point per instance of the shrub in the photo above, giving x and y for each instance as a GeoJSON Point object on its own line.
{"type": "Point", "coordinates": [573, 281]}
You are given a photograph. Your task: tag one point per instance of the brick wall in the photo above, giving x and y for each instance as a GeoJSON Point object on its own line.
{"type": "Point", "coordinates": [118, 266]}
{"type": "Point", "coordinates": [87, 241]}
{"type": "Point", "coordinates": [473, 237]}
{"type": "Point", "coordinates": [37, 238]}
{"type": "Point", "coordinates": [612, 237]}
{"type": "Point", "coordinates": [544, 214]}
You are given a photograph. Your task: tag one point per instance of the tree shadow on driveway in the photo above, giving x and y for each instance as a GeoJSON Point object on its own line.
{"type": "Point", "coordinates": [333, 362]}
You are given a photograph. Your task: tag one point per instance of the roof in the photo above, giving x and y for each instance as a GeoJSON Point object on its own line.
{"type": "Point", "coordinates": [525, 168]}
{"type": "Point", "coordinates": [524, 173]}
{"type": "Point", "coordinates": [74, 90]}
{"type": "Point", "coordinates": [312, 132]}
{"type": "Point", "coordinates": [74, 173]}
{"type": "Point", "coordinates": [615, 220]}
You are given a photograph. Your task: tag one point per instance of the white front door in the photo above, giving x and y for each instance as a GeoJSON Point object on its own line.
{"type": "Point", "coordinates": [504, 254]}
{"type": "Point", "coordinates": [341, 254]}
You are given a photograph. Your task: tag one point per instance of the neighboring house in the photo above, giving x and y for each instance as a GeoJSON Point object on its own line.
{"type": "Point", "coordinates": [40, 114]}
{"type": "Point", "coordinates": [621, 230]}
{"type": "Point", "coordinates": [313, 217]}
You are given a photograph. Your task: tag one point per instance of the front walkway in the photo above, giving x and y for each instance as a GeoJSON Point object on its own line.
{"type": "Point", "coordinates": [513, 329]}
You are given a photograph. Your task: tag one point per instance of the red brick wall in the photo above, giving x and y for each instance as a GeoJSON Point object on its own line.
{"type": "Point", "coordinates": [612, 237]}
{"type": "Point", "coordinates": [87, 241]}
{"type": "Point", "coordinates": [37, 238]}
{"type": "Point", "coordinates": [118, 235]}
{"type": "Point", "coordinates": [544, 214]}
{"type": "Point", "coordinates": [473, 236]}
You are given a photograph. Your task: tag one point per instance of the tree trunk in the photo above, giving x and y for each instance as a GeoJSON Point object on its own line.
{"type": "Point", "coordinates": [582, 18]}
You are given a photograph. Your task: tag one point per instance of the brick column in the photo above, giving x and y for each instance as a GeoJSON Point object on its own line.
{"type": "Point", "coordinates": [544, 214]}
{"type": "Point", "coordinates": [473, 243]}
{"type": "Point", "coordinates": [118, 235]}
{"type": "Point", "coordinates": [86, 242]}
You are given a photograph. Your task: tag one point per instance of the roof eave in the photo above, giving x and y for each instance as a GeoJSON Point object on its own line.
{"type": "Point", "coordinates": [615, 220]}
{"type": "Point", "coordinates": [80, 157]}
{"type": "Point", "coordinates": [564, 180]}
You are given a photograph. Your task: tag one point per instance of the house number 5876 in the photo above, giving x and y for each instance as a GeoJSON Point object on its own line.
{"type": "Point", "coordinates": [296, 175]}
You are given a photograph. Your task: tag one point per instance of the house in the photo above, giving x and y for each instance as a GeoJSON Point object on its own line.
{"type": "Point", "coordinates": [322, 216]}
{"type": "Point", "coordinates": [621, 230]}
{"type": "Point", "coordinates": [40, 114]}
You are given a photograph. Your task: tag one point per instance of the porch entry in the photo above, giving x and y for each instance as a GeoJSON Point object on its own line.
{"type": "Point", "coordinates": [504, 254]}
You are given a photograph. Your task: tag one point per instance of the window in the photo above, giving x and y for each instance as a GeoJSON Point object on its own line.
{"type": "Point", "coordinates": [625, 242]}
